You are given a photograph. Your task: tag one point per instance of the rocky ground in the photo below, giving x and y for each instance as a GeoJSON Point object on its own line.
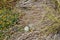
{"type": "Point", "coordinates": [34, 16]}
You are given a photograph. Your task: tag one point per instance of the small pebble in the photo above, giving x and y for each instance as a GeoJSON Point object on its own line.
{"type": "Point", "coordinates": [26, 29]}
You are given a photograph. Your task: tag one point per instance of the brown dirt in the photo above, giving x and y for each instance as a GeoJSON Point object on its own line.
{"type": "Point", "coordinates": [33, 12]}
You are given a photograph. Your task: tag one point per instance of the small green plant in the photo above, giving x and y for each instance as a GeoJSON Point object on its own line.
{"type": "Point", "coordinates": [7, 17]}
